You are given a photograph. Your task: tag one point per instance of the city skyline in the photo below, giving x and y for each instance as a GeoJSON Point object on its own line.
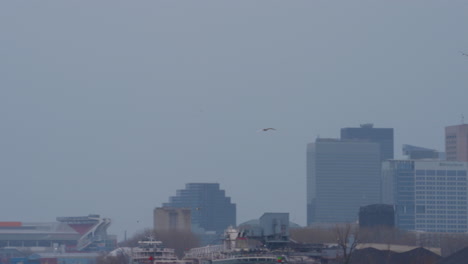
{"type": "Point", "coordinates": [109, 107]}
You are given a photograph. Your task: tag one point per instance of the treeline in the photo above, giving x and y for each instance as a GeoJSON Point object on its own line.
{"type": "Point", "coordinates": [448, 242]}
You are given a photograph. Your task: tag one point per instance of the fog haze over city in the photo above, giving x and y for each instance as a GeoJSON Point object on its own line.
{"type": "Point", "coordinates": [109, 107]}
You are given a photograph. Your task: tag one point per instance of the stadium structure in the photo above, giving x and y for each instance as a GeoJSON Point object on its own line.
{"type": "Point", "coordinates": [68, 234]}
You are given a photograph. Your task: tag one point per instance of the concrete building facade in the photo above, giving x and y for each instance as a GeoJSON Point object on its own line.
{"type": "Point", "coordinates": [342, 176]}
{"type": "Point", "coordinates": [456, 143]}
{"type": "Point", "coordinates": [429, 195]}
{"type": "Point", "coordinates": [170, 218]}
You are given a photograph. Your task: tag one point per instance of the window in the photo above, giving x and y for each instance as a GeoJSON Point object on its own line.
{"type": "Point", "coordinates": [419, 172]}
{"type": "Point", "coordinates": [420, 209]}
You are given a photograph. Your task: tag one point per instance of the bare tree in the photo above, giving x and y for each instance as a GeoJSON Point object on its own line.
{"type": "Point", "coordinates": [179, 240]}
{"type": "Point", "coordinates": [347, 238]}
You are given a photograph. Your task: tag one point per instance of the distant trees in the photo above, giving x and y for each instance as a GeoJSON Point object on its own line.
{"type": "Point", "coordinates": [449, 243]}
{"type": "Point", "coordinates": [345, 236]}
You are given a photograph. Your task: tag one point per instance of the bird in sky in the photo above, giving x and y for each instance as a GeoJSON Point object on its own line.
{"type": "Point", "coordinates": [266, 129]}
{"type": "Point", "coordinates": [463, 53]}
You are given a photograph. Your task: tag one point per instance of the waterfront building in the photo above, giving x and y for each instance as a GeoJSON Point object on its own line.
{"type": "Point", "coordinates": [211, 209]}
{"type": "Point", "coordinates": [82, 233]}
{"type": "Point", "coordinates": [342, 176]}
{"type": "Point", "coordinates": [428, 195]}
{"type": "Point", "coordinates": [382, 136]}
{"type": "Point", "coordinates": [170, 218]}
{"type": "Point", "coordinates": [456, 142]}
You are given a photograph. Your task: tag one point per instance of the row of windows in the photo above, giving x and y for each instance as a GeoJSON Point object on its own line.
{"type": "Point", "coordinates": [450, 178]}
{"type": "Point", "coordinates": [451, 228]}
{"type": "Point", "coordinates": [432, 221]}
{"type": "Point", "coordinates": [440, 193]}
{"type": "Point", "coordinates": [460, 188]}
{"type": "Point", "coordinates": [440, 197]}
{"type": "Point", "coordinates": [446, 207]}
{"type": "Point", "coordinates": [442, 216]}
{"type": "Point", "coordinates": [441, 202]}
{"type": "Point", "coordinates": [440, 172]}
{"type": "Point", "coordinates": [449, 216]}
{"type": "Point", "coordinates": [443, 212]}
{"type": "Point", "coordinates": [440, 183]}
{"type": "Point", "coordinates": [441, 227]}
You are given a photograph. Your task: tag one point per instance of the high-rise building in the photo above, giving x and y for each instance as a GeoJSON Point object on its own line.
{"type": "Point", "coordinates": [429, 195]}
{"type": "Point", "coordinates": [416, 153]}
{"type": "Point", "coordinates": [383, 136]}
{"type": "Point", "coordinates": [211, 210]}
{"type": "Point", "coordinates": [456, 142]}
{"type": "Point", "coordinates": [342, 176]}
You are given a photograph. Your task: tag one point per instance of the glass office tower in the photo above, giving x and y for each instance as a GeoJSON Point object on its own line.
{"type": "Point", "coordinates": [211, 209]}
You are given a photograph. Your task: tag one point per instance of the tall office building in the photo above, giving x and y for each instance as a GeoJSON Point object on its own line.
{"type": "Point", "coordinates": [211, 210]}
{"type": "Point", "coordinates": [429, 195]}
{"type": "Point", "coordinates": [456, 142]}
{"type": "Point", "coordinates": [342, 176]}
{"type": "Point", "coordinates": [383, 136]}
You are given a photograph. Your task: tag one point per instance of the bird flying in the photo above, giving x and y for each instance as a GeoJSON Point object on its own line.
{"type": "Point", "coordinates": [463, 53]}
{"type": "Point", "coordinates": [266, 129]}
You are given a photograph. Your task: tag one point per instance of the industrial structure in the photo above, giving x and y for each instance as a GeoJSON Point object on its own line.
{"type": "Point", "coordinates": [377, 215]}
{"type": "Point", "coordinates": [68, 234]}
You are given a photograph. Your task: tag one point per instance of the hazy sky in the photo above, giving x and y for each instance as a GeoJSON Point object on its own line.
{"type": "Point", "coordinates": [109, 107]}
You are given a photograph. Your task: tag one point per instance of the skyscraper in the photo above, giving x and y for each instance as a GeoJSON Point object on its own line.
{"type": "Point", "coordinates": [211, 210]}
{"type": "Point", "coordinates": [383, 136]}
{"type": "Point", "coordinates": [456, 142]}
{"type": "Point", "coordinates": [429, 195]}
{"type": "Point", "coordinates": [342, 176]}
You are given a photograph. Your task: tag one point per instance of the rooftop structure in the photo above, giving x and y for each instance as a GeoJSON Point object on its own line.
{"type": "Point", "coordinates": [367, 132]}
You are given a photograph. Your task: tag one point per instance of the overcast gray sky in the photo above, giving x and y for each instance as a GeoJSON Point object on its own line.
{"type": "Point", "coordinates": [109, 107]}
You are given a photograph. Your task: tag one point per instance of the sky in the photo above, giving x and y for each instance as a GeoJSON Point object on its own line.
{"type": "Point", "coordinates": [108, 107]}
